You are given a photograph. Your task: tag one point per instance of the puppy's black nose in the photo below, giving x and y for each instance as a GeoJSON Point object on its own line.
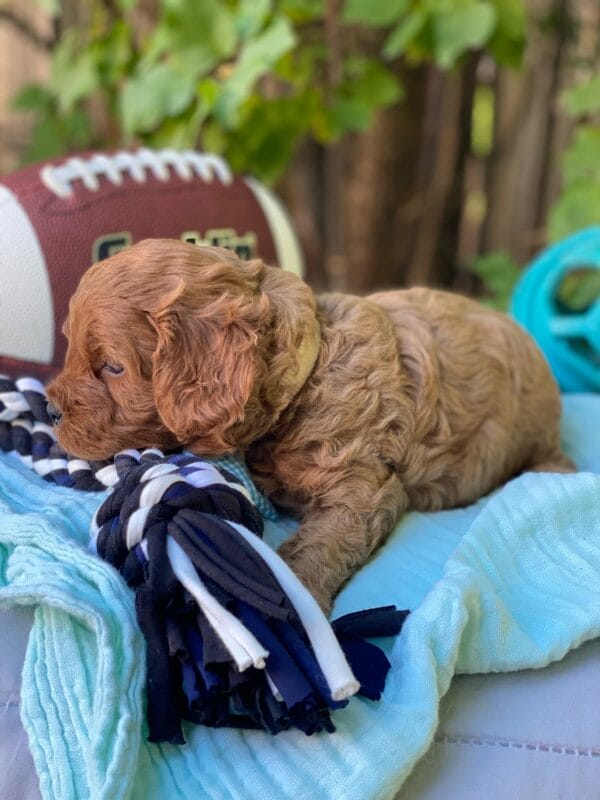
{"type": "Point", "coordinates": [53, 413]}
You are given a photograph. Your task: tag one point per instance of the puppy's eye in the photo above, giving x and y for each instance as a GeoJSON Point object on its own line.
{"type": "Point", "coordinates": [113, 369]}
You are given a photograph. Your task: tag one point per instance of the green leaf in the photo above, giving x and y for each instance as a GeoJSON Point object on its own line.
{"type": "Point", "coordinates": [74, 72]}
{"type": "Point", "coordinates": [47, 141]}
{"type": "Point", "coordinates": [268, 131]}
{"type": "Point", "coordinates": [78, 130]}
{"type": "Point", "coordinates": [54, 136]}
{"type": "Point", "coordinates": [181, 132]}
{"type": "Point", "coordinates": [377, 13]}
{"type": "Point", "coordinates": [499, 274]}
{"type": "Point", "coordinates": [367, 87]}
{"type": "Point", "coordinates": [576, 208]}
{"type": "Point", "coordinates": [302, 11]}
{"type": "Point", "coordinates": [584, 98]}
{"type": "Point", "coordinates": [581, 161]}
{"type": "Point", "coordinates": [257, 56]}
{"type": "Point", "coordinates": [348, 114]}
{"type": "Point", "coordinates": [213, 138]}
{"type": "Point", "coordinates": [148, 98]}
{"type": "Point", "coordinates": [482, 120]}
{"type": "Point", "coordinates": [195, 35]}
{"type": "Point", "coordinates": [511, 18]}
{"type": "Point", "coordinates": [508, 40]}
{"type": "Point", "coordinates": [208, 92]}
{"type": "Point", "coordinates": [464, 27]}
{"type": "Point", "coordinates": [371, 81]}
{"type": "Point", "coordinates": [250, 16]}
{"type": "Point", "coordinates": [404, 34]}
{"type": "Point", "coordinates": [34, 97]}
{"type": "Point", "coordinates": [300, 66]}
{"type": "Point", "coordinates": [113, 53]}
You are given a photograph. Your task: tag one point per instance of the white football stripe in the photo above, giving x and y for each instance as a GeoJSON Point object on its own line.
{"type": "Point", "coordinates": [287, 247]}
{"type": "Point", "coordinates": [26, 307]}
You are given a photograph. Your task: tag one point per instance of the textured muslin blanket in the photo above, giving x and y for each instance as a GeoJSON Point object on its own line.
{"type": "Point", "coordinates": [508, 583]}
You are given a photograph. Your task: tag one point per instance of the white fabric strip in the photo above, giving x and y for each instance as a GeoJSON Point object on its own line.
{"type": "Point", "coordinates": [108, 475]}
{"type": "Point", "coordinates": [77, 465]}
{"type": "Point", "coordinates": [209, 477]}
{"type": "Point", "coordinates": [153, 492]}
{"type": "Point", "coordinates": [41, 427]}
{"type": "Point", "coordinates": [157, 470]}
{"type": "Point", "coordinates": [30, 385]}
{"type": "Point", "coordinates": [132, 453]}
{"type": "Point", "coordinates": [244, 647]}
{"type": "Point", "coordinates": [135, 526]}
{"type": "Point", "coordinates": [42, 467]}
{"type": "Point", "coordinates": [14, 402]}
{"type": "Point", "coordinates": [22, 423]}
{"type": "Point", "coordinates": [328, 652]}
{"type": "Point", "coordinates": [148, 451]}
{"type": "Point", "coordinates": [57, 464]}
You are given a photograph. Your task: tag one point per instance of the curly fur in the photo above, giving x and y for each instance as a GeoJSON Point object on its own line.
{"type": "Point", "coordinates": [349, 410]}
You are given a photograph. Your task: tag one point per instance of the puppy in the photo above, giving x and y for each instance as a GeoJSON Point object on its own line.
{"type": "Point", "coordinates": [348, 410]}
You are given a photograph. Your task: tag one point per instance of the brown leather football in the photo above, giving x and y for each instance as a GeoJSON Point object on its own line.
{"type": "Point", "coordinates": [59, 217]}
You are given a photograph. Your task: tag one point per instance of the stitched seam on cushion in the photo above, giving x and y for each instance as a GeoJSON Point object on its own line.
{"type": "Point", "coordinates": [512, 744]}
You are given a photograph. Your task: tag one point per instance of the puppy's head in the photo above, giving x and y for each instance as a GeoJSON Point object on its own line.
{"type": "Point", "coordinates": [164, 349]}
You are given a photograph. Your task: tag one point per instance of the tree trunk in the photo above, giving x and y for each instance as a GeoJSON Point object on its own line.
{"type": "Point", "coordinates": [519, 165]}
{"type": "Point", "coordinates": [379, 207]}
{"type": "Point", "coordinates": [440, 189]}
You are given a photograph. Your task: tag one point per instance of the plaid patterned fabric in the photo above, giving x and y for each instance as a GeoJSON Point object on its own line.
{"type": "Point", "coordinates": [238, 469]}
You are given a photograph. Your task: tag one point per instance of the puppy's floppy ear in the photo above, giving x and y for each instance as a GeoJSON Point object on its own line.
{"type": "Point", "coordinates": [204, 364]}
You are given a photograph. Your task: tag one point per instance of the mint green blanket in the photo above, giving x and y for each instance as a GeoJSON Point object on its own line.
{"type": "Point", "coordinates": [508, 583]}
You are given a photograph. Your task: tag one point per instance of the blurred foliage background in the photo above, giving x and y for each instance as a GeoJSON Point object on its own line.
{"type": "Point", "coordinates": [438, 142]}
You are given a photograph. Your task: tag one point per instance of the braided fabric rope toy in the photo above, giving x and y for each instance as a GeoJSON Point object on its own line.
{"type": "Point", "coordinates": [26, 431]}
{"type": "Point", "coordinates": [233, 637]}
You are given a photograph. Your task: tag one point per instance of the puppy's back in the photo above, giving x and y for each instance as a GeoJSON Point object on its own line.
{"type": "Point", "coordinates": [485, 402]}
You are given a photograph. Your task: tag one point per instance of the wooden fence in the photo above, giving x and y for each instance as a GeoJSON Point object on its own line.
{"type": "Point", "coordinates": [24, 57]}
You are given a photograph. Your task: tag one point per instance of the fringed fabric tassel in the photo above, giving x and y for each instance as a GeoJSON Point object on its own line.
{"type": "Point", "coordinates": [233, 636]}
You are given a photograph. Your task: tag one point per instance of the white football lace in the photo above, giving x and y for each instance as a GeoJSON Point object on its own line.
{"type": "Point", "coordinates": [186, 164]}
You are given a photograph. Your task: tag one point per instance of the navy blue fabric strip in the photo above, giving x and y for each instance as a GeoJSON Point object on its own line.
{"type": "Point", "coordinates": [286, 676]}
{"type": "Point", "coordinates": [235, 550]}
{"type": "Point", "coordinates": [152, 600]}
{"type": "Point", "coordinates": [205, 556]}
{"type": "Point", "coordinates": [372, 622]}
{"type": "Point", "coordinates": [369, 664]}
{"type": "Point", "coordinates": [299, 648]}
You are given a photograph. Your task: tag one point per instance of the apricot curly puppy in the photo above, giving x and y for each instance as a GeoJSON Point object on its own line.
{"type": "Point", "coordinates": [348, 410]}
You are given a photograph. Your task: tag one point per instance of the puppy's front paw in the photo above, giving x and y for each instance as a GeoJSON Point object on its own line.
{"type": "Point", "coordinates": [307, 572]}
{"type": "Point", "coordinates": [325, 601]}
